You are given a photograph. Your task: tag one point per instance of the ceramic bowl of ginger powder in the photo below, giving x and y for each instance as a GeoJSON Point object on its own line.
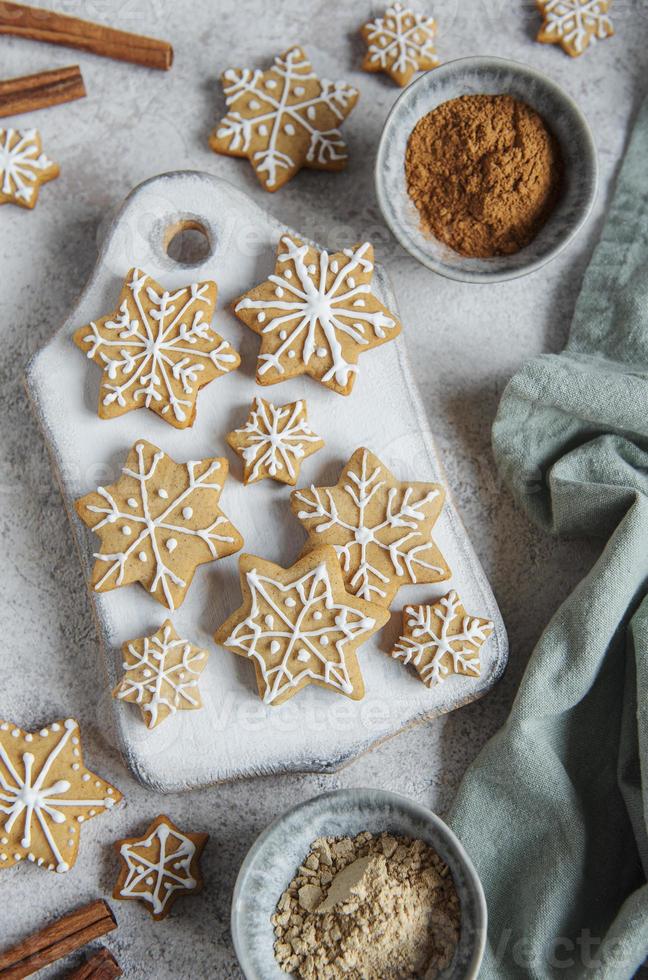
{"type": "Point", "coordinates": [485, 170]}
{"type": "Point", "coordinates": [358, 884]}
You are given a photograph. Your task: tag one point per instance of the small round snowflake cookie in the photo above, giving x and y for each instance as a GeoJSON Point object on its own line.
{"type": "Point", "coordinates": [400, 43]}
{"type": "Point", "coordinates": [300, 626]}
{"type": "Point", "coordinates": [442, 639]}
{"type": "Point", "coordinates": [23, 167]}
{"type": "Point", "coordinates": [284, 119]}
{"type": "Point", "coordinates": [157, 349]}
{"type": "Point", "coordinates": [316, 314]}
{"type": "Point", "coordinates": [46, 795]}
{"type": "Point", "coordinates": [159, 867]}
{"type": "Point", "coordinates": [158, 522]}
{"type": "Point", "coordinates": [274, 441]}
{"type": "Point", "coordinates": [161, 674]}
{"type": "Point", "coordinates": [574, 24]}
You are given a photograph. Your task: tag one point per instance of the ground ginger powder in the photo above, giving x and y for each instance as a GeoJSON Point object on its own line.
{"type": "Point", "coordinates": [484, 172]}
{"type": "Point", "coordinates": [368, 908]}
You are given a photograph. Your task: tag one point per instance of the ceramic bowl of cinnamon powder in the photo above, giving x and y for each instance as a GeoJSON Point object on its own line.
{"type": "Point", "coordinates": [358, 884]}
{"type": "Point", "coordinates": [486, 170]}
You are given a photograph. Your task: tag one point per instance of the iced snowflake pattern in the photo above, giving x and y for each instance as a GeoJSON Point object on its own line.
{"type": "Point", "coordinates": [441, 639]}
{"type": "Point", "coordinates": [297, 631]}
{"type": "Point", "coordinates": [574, 24]}
{"type": "Point", "coordinates": [46, 794]}
{"type": "Point", "coordinates": [160, 519]}
{"type": "Point", "coordinates": [274, 441]}
{"type": "Point", "coordinates": [23, 167]}
{"type": "Point", "coordinates": [161, 674]}
{"type": "Point", "coordinates": [400, 43]}
{"type": "Point", "coordinates": [157, 349]}
{"type": "Point", "coordinates": [380, 527]}
{"type": "Point", "coordinates": [284, 118]}
{"type": "Point", "coordinates": [160, 866]}
{"type": "Point", "coordinates": [316, 314]}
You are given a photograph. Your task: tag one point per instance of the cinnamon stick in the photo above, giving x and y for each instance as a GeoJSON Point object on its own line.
{"type": "Point", "coordinates": [102, 966]}
{"type": "Point", "coordinates": [57, 940]}
{"type": "Point", "coordinates": [30, 92]}
{"type": "Point", "coordinates": [39, 24]}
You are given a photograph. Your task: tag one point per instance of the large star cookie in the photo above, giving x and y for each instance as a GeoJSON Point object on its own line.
{"type": "Point", "coordinates": [442, 639]}
{"type": "Point", "coordinates": [574, 24]}
{"type": "Point", "coordinates": [46, 794]}
{"type": "Point", "coordinates": [300, 626]}
{"type": "Point", "coordinates": [158, 523]}
{"type": "Point", "coordinates": [162, 674]}
{"type": "Point", "coordinates": [400, 43]}
{"type": "Point", "coordinates": [23, 167]}
{"type": "Point", "coordinates": [284, 119]}
{"type": "Point", "coordinates": [159, 867]}
{"type": "Point", "coordinates": [157, 349]}
{"type": "Point", "coordinates": [316, 314]}
{"type": "Point", "coordinates": [274, 441]}
{"type": "Point", "coordinates": [381, 528]}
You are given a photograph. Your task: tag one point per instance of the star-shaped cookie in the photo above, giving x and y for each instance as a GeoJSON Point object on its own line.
{"type": "Point", "coordinates": [442, 639]}
{"type": "Point", "coordinates": [158, 523]}
{"type": "Point", "coordinates": [284, 119]}
{"type": "Point", "coordinates": [574, 24]}
{"type": "Point", "coordinates": [380, 528]}
{"type": "Point", "coordinates": [316, 314]}
{"type": "Point", "coordinates": [157, 349]}
{"type": "Point", "coordinates": [23, 167]}
{"type": "Point", "coordinates": [46, 794]}
{"type": "Point", "coordinates": [400, 43]}
{"type": "Point", "coordinates": [159, 867]}
{"type": "Point", "coordinates": [274, 441]}
{"type": "Point", "coordinates": [162, 674]}
{"type": "Point", "coordinates": [300, 626]}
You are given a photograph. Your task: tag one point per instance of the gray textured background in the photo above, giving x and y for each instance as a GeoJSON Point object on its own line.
{"type": "Point", "coordinates": [465, 341]}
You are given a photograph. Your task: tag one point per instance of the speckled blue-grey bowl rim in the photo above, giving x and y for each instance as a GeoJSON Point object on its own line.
{"type": "Point", "coordinates": [276, 854]}
{"type": "Point", "coordinates": [567, 123]}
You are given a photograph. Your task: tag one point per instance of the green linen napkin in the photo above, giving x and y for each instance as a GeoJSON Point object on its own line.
{"type": "Point", "coordinates": [554, 810]}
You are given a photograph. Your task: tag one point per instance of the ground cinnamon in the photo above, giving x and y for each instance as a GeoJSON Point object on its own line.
{"type": "Point", "coordinates": [484, 172]}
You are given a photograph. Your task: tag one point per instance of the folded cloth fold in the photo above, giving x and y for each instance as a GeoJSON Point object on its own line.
{"type": "Point", "coordinates": [554, 811]}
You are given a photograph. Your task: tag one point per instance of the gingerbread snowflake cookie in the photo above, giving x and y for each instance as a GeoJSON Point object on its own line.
{"type": "Point", "coordinates": [300, 626]}
{"type": "Point", "coordinates": [159, 867]}
{"type": "Point", "coordinates": [23, 167]}
{"type": "Point", "coordinates": [381, 528]}
{"type": "Point", "coordinates": [158, 523]}
{"type": "Point", "coordinates": [284, 119]}
{"type": "Point", "coordinates": [400, 43]}
{"type": "Point", "coordinates": [442, 639]}
{"type": "Point", "coordinates": [274, 441]}
{"type": "Point", "coordinates": [316, 314]}
{"type": "Point", "coordinates": [574, 24]}
{"type": "Point", "coordinates": [157, 349]}
{"type": "Point", "coordinates": [46, 795]}
{"type": "Point", "coordinates": [162, 674]}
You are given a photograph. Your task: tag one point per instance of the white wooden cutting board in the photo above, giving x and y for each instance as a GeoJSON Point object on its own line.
{"type": "Point", "coordinates": [235, 734]}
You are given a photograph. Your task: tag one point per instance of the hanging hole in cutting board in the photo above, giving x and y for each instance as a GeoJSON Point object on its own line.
{"type": "Point", "coordinates": [187, 242]}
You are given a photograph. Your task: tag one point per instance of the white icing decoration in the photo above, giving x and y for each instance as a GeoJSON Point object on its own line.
{"type": "Point", "coordinates": [32, 795]}
{"type": "Point", "coordinates": [400, 511]}
{"type": "Point", "coordinates": [170, 686]}
{"type": "Point", "coordinates": [276, 438]}
{"type": "Point", "coordinates": [153, 529]}
{"type": "Point", "coordinates": [187, 513]}
{"type": "Point", "coordinates": [401, 41]}
{"type": "Point", "coordinates": [461, 647]}
{"type": "Point", "coordinates": [154, 880]}
{"type": "Point", "coordinates": [144, 355]}
{"type": "Point", "coordinates": [316, 312]}
{"type": "Point", "coordinates": [22, 163]}
{"type": "Point", "coordinates": [576, 22]}
{"type": "Point", "coordinates": [304, 596]}
{"type": "Point", "coordinates": [325, 144]}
